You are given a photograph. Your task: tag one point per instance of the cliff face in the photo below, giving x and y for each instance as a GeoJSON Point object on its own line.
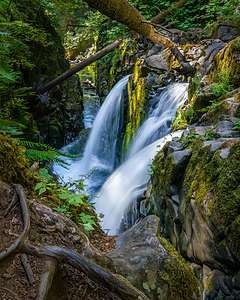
{"type": "Point", "coordinates": [194, 187]}
{"type": "Point", "coordinates": [57, 114]}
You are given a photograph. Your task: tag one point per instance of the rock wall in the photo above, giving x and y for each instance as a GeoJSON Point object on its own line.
{"type": "Point", "coordinates": [195, 187]}
{"type": "Point", "coordinates": [57, 113]}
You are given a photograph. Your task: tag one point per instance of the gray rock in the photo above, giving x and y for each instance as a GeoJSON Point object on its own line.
{"type": "Point", "coordinates": [224, 153]}
{"type": "Point", "coordinates": [226, 32]}
{"type": "Point", "coordinates": [157, 61]}
{"type": "Point", "coordinates": [181, 156]}
{"type": "Point", "coordinates": [143, 260]}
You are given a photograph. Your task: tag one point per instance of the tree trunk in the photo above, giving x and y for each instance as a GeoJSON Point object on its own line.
{"type": "Point", "coordinates": [123, 12]}
{"type": "Point", "coordinates": [126, 14]}
{"type": "Point", "coordinates": [78, 67]}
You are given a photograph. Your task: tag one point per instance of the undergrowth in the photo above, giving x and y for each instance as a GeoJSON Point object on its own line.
{"type": "Point", "coordinates": [70, 200]}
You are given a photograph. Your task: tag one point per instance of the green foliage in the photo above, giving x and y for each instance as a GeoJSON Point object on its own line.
{"type": "Point", "coordinates": [70, 203]}
{"type": "Point", "coordinates": [237, 125]}
{"type": "Point", "coordinates": [34, 151]}
{"type": "Point", "coordinates": [223, 84]}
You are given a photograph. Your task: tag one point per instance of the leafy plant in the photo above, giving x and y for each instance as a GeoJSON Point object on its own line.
{"type": "Point", "coordinates": [73, 203]}
{"type": "Point", "coordinates": [190, 138]}
{"type": "Point", "coordinates": [223, 85]}
{"type": "Point", "coordinates": [237, 125]}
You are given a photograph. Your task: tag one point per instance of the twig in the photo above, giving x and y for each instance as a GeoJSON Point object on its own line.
{"type": "Point", "coordinates": [10, 292]}
{"type": "Point", "coordinates": [27, 268]}
{"type": "Point", "coordinates": [11, 205]}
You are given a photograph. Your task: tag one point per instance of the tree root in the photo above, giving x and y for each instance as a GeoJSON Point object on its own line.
{"type": "Point", "coordinates": [114, 282]}
{"type": "Point", "coordinates": [47, 279]}
{"type": "Point", "coordinates": [17, 244]}
{"type": "Point", "coordinates": [54, 255]}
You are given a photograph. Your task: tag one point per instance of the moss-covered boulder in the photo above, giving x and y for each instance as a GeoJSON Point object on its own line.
{"type": "Point", "coordinates": [14, 167]}
{"type": "Point", "coordinates": [150, 263]}
{"type": "Point", "coordinates": [197, 198]}
{"type": "Point", "coordinates": [228, 61]}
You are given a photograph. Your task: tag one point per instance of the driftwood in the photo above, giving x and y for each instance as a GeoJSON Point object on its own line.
{"type": "Point", "coordinates": [54, 255]}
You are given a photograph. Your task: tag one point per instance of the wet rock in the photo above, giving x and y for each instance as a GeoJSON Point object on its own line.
{"type": "Point", "coordinates": [151, 263]}
{"type": "Point", "coordinates": [180, 157]}
{"type": "Point", "coordinates": [226, 32]}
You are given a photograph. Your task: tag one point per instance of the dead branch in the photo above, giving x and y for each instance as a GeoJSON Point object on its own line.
{"type": "Point", "coordinates": [114, 282]}
{"type": "Point", "coordinates": [27, 268]}
{"type": "Point", "coordinates": [26, 221]}
{"type": "Point", "coordinates": [78, 67]}
{"type": "Point", "coordinates": [47, 279]}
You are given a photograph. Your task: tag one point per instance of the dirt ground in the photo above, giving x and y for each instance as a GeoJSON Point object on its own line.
{"type": "Point", "coordinates": [46, 228]}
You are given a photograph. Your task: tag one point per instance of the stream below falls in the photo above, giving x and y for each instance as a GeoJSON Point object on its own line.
{"type": "Point", "coordinates": [112, 182]}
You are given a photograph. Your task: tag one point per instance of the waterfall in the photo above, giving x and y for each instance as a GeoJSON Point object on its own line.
{"type": "Point", "coordinates": [163, 108]}
{"type": "Point", "coordinates": [126, 184]}
{"type": "Point", "coordinates": [129, 181]}
{"type": "Point", "coordinates": [99, 156]}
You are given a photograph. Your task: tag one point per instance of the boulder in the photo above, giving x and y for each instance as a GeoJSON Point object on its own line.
{"type": "Point", "coordinates": [150, 263]}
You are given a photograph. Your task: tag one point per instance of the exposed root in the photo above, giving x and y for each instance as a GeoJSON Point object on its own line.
{"type": "Point", "coordinates": [117, 284]}
{"type": "Point", "coordinates": [47, 279]}
{"type": "Point", "coordinates": [11, 205]}
{"type": "Point", "coordinates": [26, 220]}
{"type": "Point", "coordinates": [114, 282]}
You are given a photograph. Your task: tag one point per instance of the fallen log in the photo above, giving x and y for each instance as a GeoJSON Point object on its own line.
{"type": "Point", "coordinates": [78, 67]}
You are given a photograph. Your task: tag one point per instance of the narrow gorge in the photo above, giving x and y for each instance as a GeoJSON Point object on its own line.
{"type": "Point", "coordinates": [142, 199]}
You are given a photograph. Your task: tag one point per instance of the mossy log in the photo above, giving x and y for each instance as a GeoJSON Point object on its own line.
{"type": "Point", "coordinates": [127, 14]}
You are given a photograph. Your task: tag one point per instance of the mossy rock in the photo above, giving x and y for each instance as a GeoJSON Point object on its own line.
{"type": "Point", "coordinates": [212, 183]}
{"type": "Point", "coordinates": [228, 61]}
{"type": "Point", "coordinates": [14, 167]}
{"type": "Point", "coordinates": [154, 266]}
{"type": "Point", "coordinates": [136, 102]}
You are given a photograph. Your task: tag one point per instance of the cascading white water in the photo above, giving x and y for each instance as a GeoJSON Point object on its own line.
{"type": "Point", "coordinates": [129, 181]}
{"type": "Point", "coordinates": [126, 184]}
{"type": "Point", "coordinates": [100, 151]}
{"type": "Point", "coordinates": [163, 108]}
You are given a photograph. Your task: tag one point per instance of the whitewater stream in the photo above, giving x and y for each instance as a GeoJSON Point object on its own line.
{"type": "Point", "coordinates": [117, 186]}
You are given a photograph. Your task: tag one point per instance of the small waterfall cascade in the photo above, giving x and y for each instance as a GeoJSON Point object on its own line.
{"type": "Point", "coordinates": [98, 160]}
{"type": "Point", "coordinates": [163, 108]}
{"type": "Point", "coordinates": [128, 183]}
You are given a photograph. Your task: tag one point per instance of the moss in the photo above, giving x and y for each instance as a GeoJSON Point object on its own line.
{"type": "Point", "coordinates": [14, 166]}
{"type": "Point", "coordinates": [182, 284]}
{"type": "Point", "coordinates": [137, 102]}
{"type": "Point", "coordinates": [227, 61]}
{"type": "Point", "coordinates": [213, 183]}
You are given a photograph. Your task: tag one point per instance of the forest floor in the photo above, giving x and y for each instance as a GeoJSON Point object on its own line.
{"type": "Point", "coordinates": [20, 274]}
